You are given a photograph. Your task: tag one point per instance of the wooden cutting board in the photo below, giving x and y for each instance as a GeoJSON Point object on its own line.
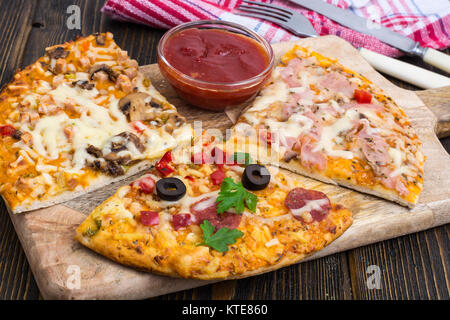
{"type": "Point", "coordinates": [56, 259]}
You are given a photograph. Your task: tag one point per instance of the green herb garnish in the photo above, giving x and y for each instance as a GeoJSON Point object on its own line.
{"type": "Point", "coordinates": [221, 239]}
{"type": "Point", "coordinates": [92, 231]}
{"type": "Point", "coordinates": [240, 157]}
{"type": "Point", "coordinates": [234, 195]}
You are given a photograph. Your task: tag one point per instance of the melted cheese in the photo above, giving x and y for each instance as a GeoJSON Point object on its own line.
{"type": "Point", "coordinates": [310, 206]}
{"type": "Point", "coordinates": [277, 91]}
{"type": "Point", "coordinates": [330, 134]}
{"type": "Point", "coordinates": [95, 126]}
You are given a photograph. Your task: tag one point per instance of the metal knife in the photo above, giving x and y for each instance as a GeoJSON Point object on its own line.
{"type": "Point", "coordinates": [357, 23]}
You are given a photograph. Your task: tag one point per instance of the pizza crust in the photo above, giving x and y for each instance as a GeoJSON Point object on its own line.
{"type": "Point", "coordinates": [104, 180]}
{"type": "Point", "coordinates": [122, 254]}
{"type": "Point", "coordinates": [297, 168]}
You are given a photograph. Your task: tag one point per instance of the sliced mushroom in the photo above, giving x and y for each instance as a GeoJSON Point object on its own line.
{"type": "Point", "coordinates": [138, 105]}
{"type": "Point", "coordinates": [100, 39]}
{"type": "Point", "coordinates": [83, 84]}
{"type": "Point", "coordinates": [17, 134]}
{"type": "Point", "coordinates": [289, 155]}
{"type": "Point", "coordinates": [120, 143]}
{"type": "Point", "coordinates": [112, 75]}
{"type": "Point", "coordinates": [96, 152]}
{"type": "Point", "coordinates": [114, 156]}
{"type": "Point", "coordinates": [174, 121]}
{"type": "Point", "coordinates": [114, 169]}
{"type": "Point", "coordinates": [58, 52]}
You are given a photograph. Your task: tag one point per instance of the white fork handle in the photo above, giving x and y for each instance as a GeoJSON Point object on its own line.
{"type": "Point", "coordinates": [437, 59]}
{"type": "Point", "coordinates": [404, 71]}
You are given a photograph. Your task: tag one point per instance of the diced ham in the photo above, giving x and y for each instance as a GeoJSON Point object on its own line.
{"type": "Point", "coordinates": [101, 77]}
{"type": "Point", "coordinates": [374, 147]}
{"type": "Point", "coordinates": [68, 131]}
{"type": "Point", "coordinates": [131, 73]}
{"type": "Point", "coordinates": [124, 83]}
{"type": "Point", "coordinates": [396, 184]}
{"type": "Point", "coordinates": [287, 110]}
{"type": "Point", "coordinates": [85, 63]}
{"type": "Point", "coordinates": [309, 158]}
{"type": "Point", "coordinates": [337, 82]}
{"type": "Point", "coordinates": [57, 80]}
{"type": "Point", "coordinates": [290, 72]}
{"type": "Point", "coordinates": [372, 106]}
{"type": "Point", "coordinates": [60, 66]}
{"type": "Point", "coordinates": [26, 138]}
{"type": "Point", "coordinates": [287, 142]}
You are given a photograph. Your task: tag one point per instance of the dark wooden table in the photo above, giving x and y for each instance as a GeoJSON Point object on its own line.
{"type": "Point", "coordinates": [415, 266]}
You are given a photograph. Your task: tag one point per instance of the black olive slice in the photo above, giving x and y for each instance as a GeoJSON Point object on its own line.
{"type": "Point", "coordinates": [170, 189]}
{"type": "Point", "coordinates": [255, 177]}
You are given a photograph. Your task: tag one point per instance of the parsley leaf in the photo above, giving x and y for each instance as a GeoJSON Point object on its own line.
{"type": "Point", "coordinates": [234, 195]}
{"type": "Point", "coordinates": [221, 239]}
{"type": "Point", "coordinates": [239, 157]}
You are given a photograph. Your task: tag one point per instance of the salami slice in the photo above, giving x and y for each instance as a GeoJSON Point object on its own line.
{"type": "Point", "coordinates": [206, 209]}
{"type": "Point", "coordinates": [302, 201]}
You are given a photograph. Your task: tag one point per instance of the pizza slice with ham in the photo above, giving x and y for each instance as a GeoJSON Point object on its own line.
{"type": "Point", "coordinates": [213, 218]}
{"type": "Point", "coordinates": [317, 118]}
{"type": "Point", "coordinates": [80, 117]}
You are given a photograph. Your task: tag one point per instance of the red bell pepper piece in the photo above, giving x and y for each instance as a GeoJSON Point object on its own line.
{"type": "Point", "coordinates": [163, 164]}
{"type": "Point", "coordinates": [362, 96]}
{"type": "Point", "coordinates": [7, 130]}
{"type": "Point", "coordinates": [217, 177]}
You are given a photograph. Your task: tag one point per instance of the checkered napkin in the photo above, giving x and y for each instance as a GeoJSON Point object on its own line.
{"type": "Point", "coordinates": [425, 21]}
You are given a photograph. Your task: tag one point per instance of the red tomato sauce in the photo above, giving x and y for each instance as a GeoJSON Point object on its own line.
{"type": "Point", "coordinates": [213, 55]}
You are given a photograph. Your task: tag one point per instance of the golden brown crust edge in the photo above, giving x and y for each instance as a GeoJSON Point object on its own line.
{"type": "Point", "coordinates": [130, 257]}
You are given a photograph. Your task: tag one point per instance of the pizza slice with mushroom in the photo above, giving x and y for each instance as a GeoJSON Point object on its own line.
{"type": "Point", "coordinates": [318, 118]}
{"type": "Point", "coordinates": [214, 217]}
{"type": "Point", "coordinates": [80, 117]}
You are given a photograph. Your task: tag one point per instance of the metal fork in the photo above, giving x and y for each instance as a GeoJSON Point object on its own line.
{"type": "Point", "coordinates": [289, 20]}
{"type": "Point", "coordinates": [300, 26]}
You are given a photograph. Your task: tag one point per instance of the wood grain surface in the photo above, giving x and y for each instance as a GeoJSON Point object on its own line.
{"type": "Point", "coordinates": [413, 266]}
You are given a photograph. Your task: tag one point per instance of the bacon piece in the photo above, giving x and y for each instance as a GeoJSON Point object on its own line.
{"type": "Point", "coordinates": [181, 220]}
{"type": "Point", "coordinates": [315, 202]}
{"type": "Point", "coordinates": [309, 158]}
{"type": "Point", "coordinates": [227, 219]}
{"type": "Point", "coordinates": [149, 218]}
{"type": "Point", "coordinates": [145, 184]}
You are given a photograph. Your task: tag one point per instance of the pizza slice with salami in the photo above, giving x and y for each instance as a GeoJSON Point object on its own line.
{"type": "Point", "coordinates": [213, 218]}
{"type": "Point", "coordinates": [320, 119]}
{"type": "Point", "coordinates": [80, 117]}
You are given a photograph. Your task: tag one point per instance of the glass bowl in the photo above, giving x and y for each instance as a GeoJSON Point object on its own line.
{"type": "Point", "coordinates": [214, 95]}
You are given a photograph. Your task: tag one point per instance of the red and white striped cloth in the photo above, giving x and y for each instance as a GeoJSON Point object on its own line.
{"type": "Point", "coordinates": [425, 21]}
